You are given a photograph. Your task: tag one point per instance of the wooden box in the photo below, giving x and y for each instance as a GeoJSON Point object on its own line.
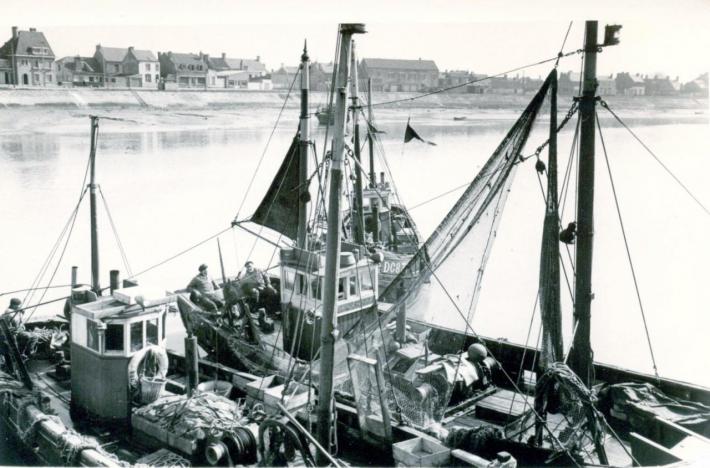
{"type": "Point", "coordinates": [421, 451]}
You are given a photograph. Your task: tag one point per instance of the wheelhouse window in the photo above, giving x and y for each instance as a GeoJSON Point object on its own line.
{"type": "Point", "coordinates": [92, 335]}
{"type": "Point", "coordinates": [353, 286]}
{"type": "Point", "coordinates": [342, 287]}
{"type": "Point", "coordinates": [317, 287]}
{"type": "Point", "coordinates": [301, 284]}
{"type": "Point", "coordinates": [151, 331]}
{"type": "Point", "coordinates": [114, 337]}
{"type": "Point", "coordinates": [366, 281]}
{"type": "Point", "coordinates": [288, 279]}
{"type": "Point", "coordinates": [136, 336]}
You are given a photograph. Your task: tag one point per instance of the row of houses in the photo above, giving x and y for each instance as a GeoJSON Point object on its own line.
{"type": "Point", "coordinates": [623, 83]}
{"type": "Point", "coordinates": [26, 59]}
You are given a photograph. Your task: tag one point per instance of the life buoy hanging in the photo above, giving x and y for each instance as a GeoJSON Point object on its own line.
{"type": "Point", "coordinates": [151, 360]}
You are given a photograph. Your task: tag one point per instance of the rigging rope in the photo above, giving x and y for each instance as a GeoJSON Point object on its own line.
{"type": "Point", "coordinates": [121, 250]}
{"type": "Point", "coordinates": [628, 251]}
{"type": "Point", "coordinates": [268, 141]}
{"type": "Point", "coordinates": [61, 255]}
{"type": "Point", "coordinates": [478, 80]}
{"type": "Point", "coordinates": [605, 105]}
{"type": "Point", "coordinates": [562, 47]}
{"type": "Point", "coordinates": [182, 252]}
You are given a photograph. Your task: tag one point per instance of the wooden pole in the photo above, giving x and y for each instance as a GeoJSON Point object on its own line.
{"type": "Point", "coordinates": [95, 285]}
{"type": "Point", "coordinates": [302, 233]}
{"type": "Point", "coordinates": [221, 263]}
{"type": "Point", "coordinates": [370, 135]}
{"type": "Point", "coordinates": [359, 223]}
{"type": "Point", "coordinates": [191, 364]}
{"type": "Point", "coordinates": [580, 358]}
{"type": "Point", "coordinates": [329, 332]}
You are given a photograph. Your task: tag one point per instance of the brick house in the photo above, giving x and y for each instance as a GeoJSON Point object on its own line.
{"type": "Point", "coordinates": [26, 59]}
{"type": "Point", "coordinates": [78, 71]}
{"type": "Point", "coordinates": [185, 70]}
{"type": "Point", "coordinates": [110, 63]}
{"type": "Point", "coordinates": [400, 75]}
{"type": "Point", "coordinates": [141, 68]}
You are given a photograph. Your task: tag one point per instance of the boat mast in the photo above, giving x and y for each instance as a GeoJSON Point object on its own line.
{"type": "Point", "coordinates": [332, 262]}
{"type": "Point", "coordinates": [359, 223]}
{"type": "Point", "coordinates": [95, 286]}
{"type": "Point", "coordinates": [580, 358]}
{"type": "Point", "coordinates": [370, 135]}
{"type": "Point", "coordinates": [302, 233]}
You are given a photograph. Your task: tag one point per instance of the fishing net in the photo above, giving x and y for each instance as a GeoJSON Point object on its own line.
{"type": "Point", "coordinates": [448, 271]}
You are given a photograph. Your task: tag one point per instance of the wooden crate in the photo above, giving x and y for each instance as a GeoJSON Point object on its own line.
{"type": "Point", "coordinates": [421, 451]}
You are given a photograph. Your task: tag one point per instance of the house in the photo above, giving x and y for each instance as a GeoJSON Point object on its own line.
{"type": "Point", "coordinates": [27, 60]}
{"type": "Point", "coordinates": [480, 84]}
{"type": "Point", "coordinates": [110, 63]}
{"type": "Point", "coordinates": [697, 87]}
{"type": "Point", "coordinates": [661, 85]}
{"type": "Point", "coordinates": [283, 77]}
{"type": "Point", "coordinates": [321, 75]}
{"type": "Point", "coordinates": [78, 71]}
{"type": "Point", "coordinates": [630, 85]}
{"type": "Point", "coordinates": [185, 70]}
{"type": "Point", "coordinates": [400, 75]}
{"type": "Point", "coordinates": [141, 68]}
{"type": "Point", "coordinates": [606, 86]}
{"type": "Point", "coordinates": [456, 79]}
{"type": "Point", "coordinates": [505, 85]}
{"type": "Point", "coordinates": [569, 83]}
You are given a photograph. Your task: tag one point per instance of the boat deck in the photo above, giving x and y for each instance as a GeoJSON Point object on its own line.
{"type": "Point", "coordinates": [506, 406]}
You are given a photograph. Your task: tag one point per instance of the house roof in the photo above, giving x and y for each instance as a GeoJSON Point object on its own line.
{"type": "Point", "coordinates": [113, 54]}
{"type": "Point", "coordinates": [24, 43]}
{"type": "Point", "coordinates": [186, 59]}
{"type": "Point", "coordinates": [144, 55]}
{"type": "Point", "coordinates": [397, 64]}
{"type": "Point", "coordinates": [288, 70]}
{"type": "Point", "coordinates": [87, 64]}
{"type": "Point", "coordinates": [218, 63]}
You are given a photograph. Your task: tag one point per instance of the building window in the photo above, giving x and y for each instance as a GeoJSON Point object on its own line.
{"type": "Point", "coordinates": [136, 336]}
{"type": "Point", "coordinates": [190, 67]}
{"type": "Point", "coordinates": [25, 62]}
{"type": "Point", "coordinates": [49, 78]}
{"type": "Point", "coordinates": [157, 67]}
{"type": "Point", "coordinates": [36, 63]}
{"type": "Point", "coordinates": [148, 78]}
{"type": "Point", "coordinates": [114, 337]}
{"type": "Point", "coordinates": [157, 77]}
{"type": "Point", "coordinates": [113, 80]}
{"type": "Point", "coordinates": [92, 335]}
{"type": "Point", "coordinates": [147, 66]}
{"type": "Point", "coordinates": [36, 78]}
{"type": "Point", "coordinates": [91, 79]}
{"type": "Point", "coordinates": [151, 331]}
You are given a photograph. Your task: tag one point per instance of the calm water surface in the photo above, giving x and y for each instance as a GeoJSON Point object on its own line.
{"type": "Point", "coordinates": [172, 180]}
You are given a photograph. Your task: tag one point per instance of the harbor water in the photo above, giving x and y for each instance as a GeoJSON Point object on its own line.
{"type": "Point", "coordinates": [172, 179]}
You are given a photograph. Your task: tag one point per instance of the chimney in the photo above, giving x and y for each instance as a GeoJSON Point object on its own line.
{"type": "Point", "coordinates": [77, 63]}
{"type": "Point", "coordinates": [224, 56]}
{"type": "Point", "coordinates": [131, 49]}
{"type": "Point", "coordinates": [33, 29]}
{"type": "Point", "coordinates": [258, 58]}
{"type": "Point", "coordinates": [98, 47]}
{"type": "Point", "coordinates": [14, 32]}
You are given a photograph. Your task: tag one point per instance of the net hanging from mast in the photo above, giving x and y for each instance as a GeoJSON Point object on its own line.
{"type": "Point", "coordinates": [440, 284]}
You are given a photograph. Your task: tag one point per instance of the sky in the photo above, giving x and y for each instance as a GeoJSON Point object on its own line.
{"type": "Point", "coordinates": [671, 37]}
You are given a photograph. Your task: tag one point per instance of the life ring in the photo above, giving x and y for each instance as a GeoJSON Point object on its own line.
{"type": "Point", "coordinates": [134, 365]}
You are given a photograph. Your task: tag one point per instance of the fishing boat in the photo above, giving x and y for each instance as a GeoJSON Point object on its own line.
{"type": "Point", "coordinates": [404, 378]}
{"type": "Point", "coordinates": [325, 116]}
{"type": "Point", "coordinates": [110, 393]}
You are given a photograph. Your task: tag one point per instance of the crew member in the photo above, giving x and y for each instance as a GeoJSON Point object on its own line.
{"type": "Point", "coordinates": [205, 287]}
{"type": "Point", "coordinates": [13, 319]}
{"type": "Point", "coordinates": [256, 284]}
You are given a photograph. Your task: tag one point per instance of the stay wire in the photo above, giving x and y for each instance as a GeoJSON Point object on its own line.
{"type": "Point", "coordinates": [61, 255]}
{"type": "Point", "coordinates": [266, 147]}
{"type": "Point", "coordinates": [562, 47]}
{"type": "Point", "coordinates": [182, 252]}
{"type": "Point", "coordinates": [605, 105]}
{"type": "Point", "coordinates": [478, 80]}
{"type": "Point", "coordinates": [628, 250]}
{"type": "Point", "coordinates": [122, 251]}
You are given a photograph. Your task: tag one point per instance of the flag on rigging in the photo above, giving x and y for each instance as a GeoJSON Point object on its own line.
{"type": "Point", "coordinates": [410, 133]}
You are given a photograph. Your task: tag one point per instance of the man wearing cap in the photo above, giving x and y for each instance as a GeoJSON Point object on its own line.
{"type": "Point", "coordinates": [256, 283]}
{"type": "Point", "coordinates": [205, 286]}
{"type": "Point", "coordinates": [13, 319]}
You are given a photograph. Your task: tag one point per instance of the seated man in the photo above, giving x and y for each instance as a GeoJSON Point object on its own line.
{"type": "Point", "coordinates": [205, 287]}
{"type": "Point", "coordinates": [256, 285]}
